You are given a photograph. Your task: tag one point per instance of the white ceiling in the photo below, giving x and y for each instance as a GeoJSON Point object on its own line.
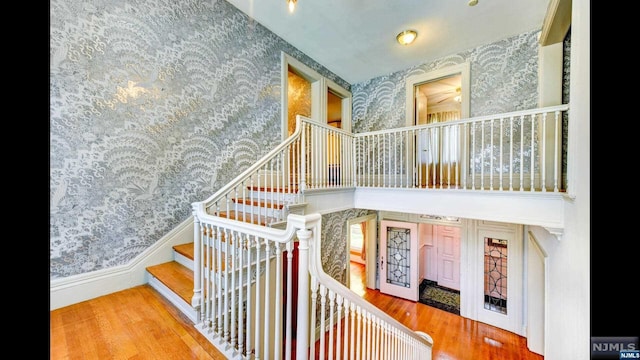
{"type": "Point", "coordinates": [356, 39]}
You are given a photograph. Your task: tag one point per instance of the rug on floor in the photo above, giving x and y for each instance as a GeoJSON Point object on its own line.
{"type": "Point", "coordinates": [439, 296]}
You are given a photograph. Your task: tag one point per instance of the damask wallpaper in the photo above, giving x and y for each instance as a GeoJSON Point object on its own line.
{"type": "Point", "coordinates": [154, 104]}
{"type": "Point", "coordinates": [504, 77]}
{"type": "Point", "coordinates": [334, 239]}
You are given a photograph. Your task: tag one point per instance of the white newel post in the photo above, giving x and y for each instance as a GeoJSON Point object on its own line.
{"type": "Point", "coordinates": [302, 331]}
{"type": "Point", "coordinates": [197, 262]}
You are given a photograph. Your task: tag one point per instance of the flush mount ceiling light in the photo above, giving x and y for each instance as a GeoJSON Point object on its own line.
{"type": "Point", "coordinates": [292, 5]}
{"type": "Point", "coordinates": [407, 37]}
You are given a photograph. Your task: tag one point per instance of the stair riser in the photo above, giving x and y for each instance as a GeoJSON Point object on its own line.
{"type": "Point", "coordinates": [264, 212]}
{"type": "Point", "coordinates": [270, 196]}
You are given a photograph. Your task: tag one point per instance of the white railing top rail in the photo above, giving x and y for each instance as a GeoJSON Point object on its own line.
{"type": "Point", "coordinates": [323, 126]}
{"type": "Point", "coordinates": [255, 167]}
{"type": "Point", "coordinates": [265, 232]}
{"type": "Point", "coordinates": [549, 109]}
{"type": "Point", "coordinates": [313, 221]}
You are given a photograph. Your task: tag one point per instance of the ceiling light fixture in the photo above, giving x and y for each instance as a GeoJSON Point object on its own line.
{"type": "Point", "coordinates": [292, 5]}
{"type": "Point", "coordinates": [473, 2]}
{"type": "Point", "coordinates": [407, 37]}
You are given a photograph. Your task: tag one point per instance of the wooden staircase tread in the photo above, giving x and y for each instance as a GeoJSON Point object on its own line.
{"type": "Point", "coordinates": [185, 250]}
{"type": "Point", "coordinates": [289, 190]}
{"type": "Point", "coordinates": [250, 218]}
{"type": "Point", "coordinates": [262, 204]}
{"type": "Point", "coordinates": [176, 277]}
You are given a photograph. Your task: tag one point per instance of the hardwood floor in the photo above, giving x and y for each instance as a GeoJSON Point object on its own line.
{"type": "Point", "coordinates": [454, 337]}
{"type": "Point", "coordinates": [139, 323]}
{"type": "Point", "coordinates": [136, 323]}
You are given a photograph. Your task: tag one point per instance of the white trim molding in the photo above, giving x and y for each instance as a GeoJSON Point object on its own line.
{"type": "Point", "coordinates": [557, 232]}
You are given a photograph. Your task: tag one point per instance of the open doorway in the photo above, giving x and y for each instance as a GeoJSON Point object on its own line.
{"type": "Point", "coordinates": [312, 95]}
{"type": "Point", "coordinates": [361, 252]}
{"type": "Point", "coordinates": [435, 97]}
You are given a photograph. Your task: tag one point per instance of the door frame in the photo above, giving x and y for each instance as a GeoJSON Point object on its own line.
{"type": "Point", "coordinates": [464, 69]}
{"type": "Point", "coordinates": [320, 86]}
{"type": "Point", "coordinates": [371, 258]}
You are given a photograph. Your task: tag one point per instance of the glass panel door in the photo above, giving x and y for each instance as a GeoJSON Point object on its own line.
{"type": "Point", "coordinates": [399, 259]}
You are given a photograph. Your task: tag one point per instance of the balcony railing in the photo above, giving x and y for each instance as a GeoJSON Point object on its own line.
{"type": "Point", "coordinates": [243, 284]}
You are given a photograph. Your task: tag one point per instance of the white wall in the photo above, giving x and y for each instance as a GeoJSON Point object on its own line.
{"type": "Point", "coordinates": [568, 313]}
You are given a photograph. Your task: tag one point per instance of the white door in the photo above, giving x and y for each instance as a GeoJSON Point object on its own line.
{"type": "Point", "coordinates": [499, 299]}
{"type": "Point", "coordinates": [448, 245]}
{"type": "Point", "coordinates": [398, 260]}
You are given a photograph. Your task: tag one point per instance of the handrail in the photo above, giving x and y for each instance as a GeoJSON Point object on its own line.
{"type": "Point", "coordinates": [266, 232]}
{"type": "Point", "coordinates": [256, 166]}
{"type": "Point", "coordinates": [555, 108]}
{"type": "Point", "coordinates": [315, 268]}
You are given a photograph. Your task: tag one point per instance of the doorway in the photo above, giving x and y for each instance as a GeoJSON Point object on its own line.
{"type": "Point", "coordinates": [440, 246]}
{"type": "Point", "coordinates": [362, 239]}
{"type": "Point", "coordinates": [435, 97]}
{"type": "Point", "coordinates": [398, 260]}
{"type": "Point", "coordinates": [311, 95]}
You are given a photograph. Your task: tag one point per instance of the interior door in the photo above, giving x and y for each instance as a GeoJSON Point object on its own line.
{"type": "Point", "coordinates": [398, 260]}
{"type": "Point", "coordinates": [448, 244]}
{"type": "Point", "coordinates": [500, 273]}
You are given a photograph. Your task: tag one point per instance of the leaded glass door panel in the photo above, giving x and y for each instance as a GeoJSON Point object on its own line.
{"type": "Point", "coordinates": [398, 262]}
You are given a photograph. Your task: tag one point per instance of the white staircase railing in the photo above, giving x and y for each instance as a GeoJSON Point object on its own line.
{"type": "Point", "coordinates": [516, 151]}
{"type": "Point", "coordinates": [245, 280]}
{"type": "Point", "coordinates": [342, 325]}
{"type": "Point", "coordinates": [252, 303]}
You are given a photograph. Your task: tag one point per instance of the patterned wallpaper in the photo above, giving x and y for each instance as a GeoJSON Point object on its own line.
{"type": "Point", "coordinates": [154, 104]}
{"type": "Point", "coordinates": [503, 78]}
{"type": "Point", "coordinates": [334, 241]}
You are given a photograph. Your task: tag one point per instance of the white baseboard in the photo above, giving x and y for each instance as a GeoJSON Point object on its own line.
{"type": "Point", "coordinates": [77, 288]}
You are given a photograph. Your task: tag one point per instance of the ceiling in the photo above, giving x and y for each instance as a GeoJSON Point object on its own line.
{"type": "Point", "coordinates": [356, 39]}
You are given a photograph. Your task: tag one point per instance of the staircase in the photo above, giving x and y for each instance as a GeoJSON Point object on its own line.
{"type": "Point", "coordinates": [252, 281]}
{"type": "Point", "coordinates": [174, 279]}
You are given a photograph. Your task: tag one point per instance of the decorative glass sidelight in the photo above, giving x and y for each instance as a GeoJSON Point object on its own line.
{"type": "Point", "coordinates": [398, 256]}
{"type": "Point", "coordinates": [495, 275]}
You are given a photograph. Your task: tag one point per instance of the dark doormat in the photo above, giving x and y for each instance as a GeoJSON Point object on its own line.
{"type": "Point", "coordinates": [439, 296]}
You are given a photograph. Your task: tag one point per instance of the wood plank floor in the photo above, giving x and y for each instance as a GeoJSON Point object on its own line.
{"type": "Point", "coordinates": [454, 337]}
{"type": "Point", "coordinates": [139, 323]}
{"type": "Point", "coordinates": [136, 323]}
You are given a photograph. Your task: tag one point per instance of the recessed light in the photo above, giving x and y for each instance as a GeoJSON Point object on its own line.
{"type": "Point", "coordinates": [407, 37]}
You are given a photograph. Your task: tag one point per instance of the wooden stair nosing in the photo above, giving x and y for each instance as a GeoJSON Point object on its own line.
{"type": "Point", "coordinates": [287, 190]}
{"type": "Point", "coordinates": [259, 203]}
{"type": "Point", "coordinates": [250, 218]}
{"type": "Point", "coordinates": [176, 277]}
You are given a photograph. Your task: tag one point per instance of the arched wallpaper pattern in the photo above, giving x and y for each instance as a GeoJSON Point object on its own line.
{"type": "Point", "coordinates": [334, 241]}
{"type": "Point", "coordinates": [154, 104]}
{"type": "Point", "coordinates": [504, 77]}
